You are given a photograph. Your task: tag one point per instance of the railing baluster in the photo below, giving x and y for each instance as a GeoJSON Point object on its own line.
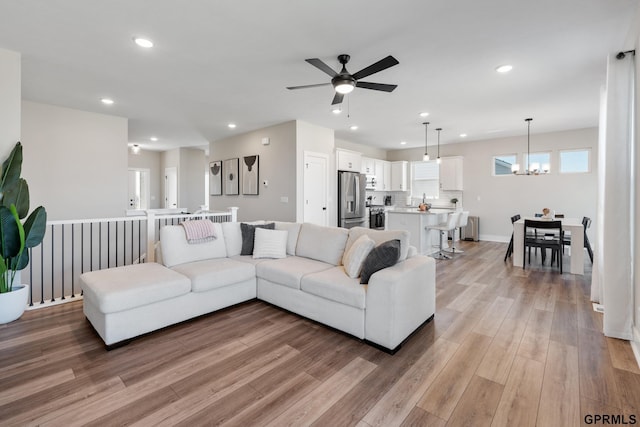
{"type": "Point", "coordinates": [53, 251]}
{"type": "Point", "coordinates": [42, 272]}
{"type": "Point", "coordinates": [73, 246]}
{"type": "Point", "coordinates": [63, 261]}
{"type": "Point", "coordinates": [31, 277]}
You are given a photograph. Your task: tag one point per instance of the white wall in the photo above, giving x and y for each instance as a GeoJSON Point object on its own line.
{"type": "Point", "coordinates": [75, 162]}
{"type": "Point", "coordinates": [147, 159]}
{"type": "Point", "coordinates": [10, 101]}
{"type": "Point", "coordinates": [366, 150]}
{"type": "Point", "coordinates": [317, 139]}
{"type": "Point", "coordinates": [191, 178]}
{"type": "Point", "coordinates": [277, 164]}
{"type": "Point", "coordinates": [496, 199]}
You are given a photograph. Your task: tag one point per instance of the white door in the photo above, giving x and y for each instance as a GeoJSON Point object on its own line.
{"type": "Point", "coordinates": [138, 190]}
{"type": "Point", "coordinates": [171, 188]}
{"type": "Point", "coordinates": [315, 188]}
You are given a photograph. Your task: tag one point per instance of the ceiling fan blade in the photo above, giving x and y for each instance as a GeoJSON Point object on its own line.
{"type": "Point", "coordinates": [337, 99]}
{"type": "Point", "coordinates": [383, 64]}
{"type": "Point", "coordinates": [322, 66]}
{"type": "Point", "coordinates": [376, 86]}
{"type": "Point", "coordinates": [308, 86]}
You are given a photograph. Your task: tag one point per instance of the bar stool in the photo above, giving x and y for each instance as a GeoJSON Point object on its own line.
{"type": "Point", "coordinates": [462, 222]}
{"type": "Point", "coordinates": [445, 227]}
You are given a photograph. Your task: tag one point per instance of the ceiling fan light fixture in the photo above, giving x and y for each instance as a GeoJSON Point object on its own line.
{"type": "Point", "coordinates": [344, 86]}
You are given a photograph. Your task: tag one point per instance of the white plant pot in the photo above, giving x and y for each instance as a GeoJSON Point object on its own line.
{"type": "Point", "coordinates": [13, 304]}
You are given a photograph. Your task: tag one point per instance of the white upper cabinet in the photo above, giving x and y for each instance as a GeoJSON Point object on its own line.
{"type": "Point", "coordinates": [368, 166]}
{"type": "Point", "coordinates": [348, 160]}
{"type": "Point", "coordinates": [451, 173]}
{"type": "Point", "coordinates": [399, 176]}
{"type": "Point", "coordinates": [384, 177]}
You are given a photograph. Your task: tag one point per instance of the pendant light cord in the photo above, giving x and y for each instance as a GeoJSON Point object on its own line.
{"type": "Point", "coordinates": [528, 141]}
{"type": "Point", "coordinates": [426, 136]}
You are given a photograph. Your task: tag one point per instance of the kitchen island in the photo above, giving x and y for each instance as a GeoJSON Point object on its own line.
{"type": "Point", "coordinates": [418, 224]}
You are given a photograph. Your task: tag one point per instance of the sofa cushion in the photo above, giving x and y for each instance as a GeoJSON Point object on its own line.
{"type": "Point", "coordinates": [248, 236]}
{"type": "Point", "coordinates": [320, 243]}
{"type": "Point", "coordinates": [382, 256]}
{"type": "Point", "coordinates": [249, 259]}
{"type": "Point", "coordinates": [293, 228]}
{"type": "Point", "coordinates": [381, 236]}
{"type": "Point", "coordinates": [289, 271]}
{"type": "Point", "coordinates": [123, 288]}
{"type": "Point", "coordinates": [233, 236]}
{"type": "Point", "coordinates": [334, 284]}
{"type": "Point", "coordinates": [215, 273]}
{"type": "Point", "coordinates": [270, 243]}
{"type": "Point", "coordinates": [176, 250]}
{"type": "Point", "coordinates": [355, 256]}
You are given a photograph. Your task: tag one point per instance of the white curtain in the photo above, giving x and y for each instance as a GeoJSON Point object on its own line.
{"type": "Point", "coordinates": [612, 278]}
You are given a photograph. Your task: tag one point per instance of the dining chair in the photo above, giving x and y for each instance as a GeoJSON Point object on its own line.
{"type": "Point", "coordinates": [552, 240]}
{"type": "Point", "coordinates": [586, 223]}
{"type": "Point", "coordinates": [510, 247]}
{"type": "Point", "coordinates": [449, 225]}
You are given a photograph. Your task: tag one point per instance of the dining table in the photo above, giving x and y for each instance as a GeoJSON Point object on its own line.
{"type": "Point", "coordinates": [576, 251]}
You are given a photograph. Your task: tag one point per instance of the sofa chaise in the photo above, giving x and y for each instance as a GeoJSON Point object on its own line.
{"type": "Point", "coordinates": [310, 279]}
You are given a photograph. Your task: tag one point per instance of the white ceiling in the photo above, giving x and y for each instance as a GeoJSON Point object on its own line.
{"type": "Point", "coordinates": [216, 62]}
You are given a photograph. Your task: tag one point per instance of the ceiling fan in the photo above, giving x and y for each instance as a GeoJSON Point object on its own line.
{"type": "Point", "coordinates": [344, 82]}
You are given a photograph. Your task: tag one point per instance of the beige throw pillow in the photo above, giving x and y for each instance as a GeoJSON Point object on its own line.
{"type": "Point", "coordinates": [356, 255]}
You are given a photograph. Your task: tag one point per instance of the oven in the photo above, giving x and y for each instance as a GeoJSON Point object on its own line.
{"type": "Point", "coordinates": [376, 218]}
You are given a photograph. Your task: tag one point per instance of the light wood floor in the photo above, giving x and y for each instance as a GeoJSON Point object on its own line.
{"type": "Point", "coordinates": [507, 347]}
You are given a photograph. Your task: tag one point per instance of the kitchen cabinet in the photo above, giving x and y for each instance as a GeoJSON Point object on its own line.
{"type": "Point", "coordinates": [451, 173]}
{"type": "Point", "coordinates": [348, 160]}
{"type": "Point", "coordinates": [399, 172]}
{"type": "Point", "coordinates": [382, 172]}
{"type": "Point", "coordinates": [368, 166]}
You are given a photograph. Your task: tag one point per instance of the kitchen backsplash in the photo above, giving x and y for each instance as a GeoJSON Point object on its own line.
{"type": "Point", "coordinates": [399, 198]}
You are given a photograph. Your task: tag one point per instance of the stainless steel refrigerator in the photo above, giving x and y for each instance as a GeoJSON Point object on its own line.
{"type": "Point", "coordinates": [351, 195]}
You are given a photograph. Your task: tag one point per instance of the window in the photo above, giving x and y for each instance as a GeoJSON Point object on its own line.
{"type": "Point", "coordinates": [502, 164]}
{"type": "Point", "coordinates": [425, 179]}
{"type": "Point", "coordinates": [575, 161]}
{"type": "Point", "coordinates": [538, 162]}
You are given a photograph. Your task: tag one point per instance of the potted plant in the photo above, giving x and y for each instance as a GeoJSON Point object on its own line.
{"type": "Point", "coordinates": [15, 236]}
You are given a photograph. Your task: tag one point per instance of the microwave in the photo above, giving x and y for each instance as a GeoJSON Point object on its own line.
{"type": "Point", "coordinates": [371, 182]}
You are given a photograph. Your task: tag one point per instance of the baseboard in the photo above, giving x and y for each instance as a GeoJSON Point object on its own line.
{"type": "Point", "coordinates": [495, 238]}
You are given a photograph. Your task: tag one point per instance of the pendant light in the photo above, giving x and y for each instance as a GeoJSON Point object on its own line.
{"type": "Point", "coordinates": [515, 168]}
{"type": "Point", "coordinates": [438, 158]}
{"type": "Point", "coordinates": [425, 158]}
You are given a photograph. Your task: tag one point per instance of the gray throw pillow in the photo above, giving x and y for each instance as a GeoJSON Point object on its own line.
{"type": "Point", "coordinates": [384, 255]}
{"type": "Point", "coordinates": [248, 236]}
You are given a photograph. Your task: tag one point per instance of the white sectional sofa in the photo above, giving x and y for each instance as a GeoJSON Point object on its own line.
{"type": "Point", "coordinates": [195, 279]}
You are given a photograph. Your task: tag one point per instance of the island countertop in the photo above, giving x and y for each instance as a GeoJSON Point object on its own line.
{"type": "Point", "coordinates": [412, 210]}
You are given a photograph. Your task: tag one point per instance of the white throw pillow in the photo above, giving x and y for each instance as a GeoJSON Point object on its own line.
{"type": "Point", "coordinates": [356, 254]}
{"type": "Point", "coordinates": [270, 243]}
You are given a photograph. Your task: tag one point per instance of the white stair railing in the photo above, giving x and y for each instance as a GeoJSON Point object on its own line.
{"type": "Point", "coordinates": [73, 247]}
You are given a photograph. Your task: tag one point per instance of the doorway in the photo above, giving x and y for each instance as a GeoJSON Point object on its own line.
{"type": "Point", "coordinates": [138, 188]}
{"type": "Point", "coordinates": [315, 188]}
{"type": "Point", "coordinates": [171, 188]}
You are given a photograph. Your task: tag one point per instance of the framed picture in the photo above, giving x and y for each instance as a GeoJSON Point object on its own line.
{"type": "Point", "coordinates": [231, 184]}
{"type": "Point", "coordinates": [250, 175]}
{"type": "Point", "coordinates": [215, 178]}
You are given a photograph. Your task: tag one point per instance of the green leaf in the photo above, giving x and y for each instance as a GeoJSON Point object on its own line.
{"type": "Point", "coordinates": [21, 261]}
{"type": "Point", "coordinates": [9, 234]}
{"type": "Point", "coordinates": [35, 227]}
{"type": "Point", "coordinates": [11, 168]}
{"type": "Point", "coordinates": [17, 193]}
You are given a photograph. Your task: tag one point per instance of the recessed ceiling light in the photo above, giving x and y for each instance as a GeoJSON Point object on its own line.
{"type": "Point", "coordinates": [425, 114]}
{"type": "Point", "coordinates": [231, 125]}
{"type": "Point", "coordinates": [142, 42]}
{"type": "Point", "coordinates": [336, 110]}
{"type": "Point", "coordinates": [354, 127]}
{"type": "Point", "coordinates": [154, 138]}
{"type": "Point", "coordinates": [107, 101]}
{"type": "Point", "coordinates": [403, 142]}
{"type": "Point", "coordinates": [463, 135]}
{"type": "Point", "coordinates": [504, 68]}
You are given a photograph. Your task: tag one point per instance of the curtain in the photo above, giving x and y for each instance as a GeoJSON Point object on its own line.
{"type": "Point", "coordinates": [612, 277]}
